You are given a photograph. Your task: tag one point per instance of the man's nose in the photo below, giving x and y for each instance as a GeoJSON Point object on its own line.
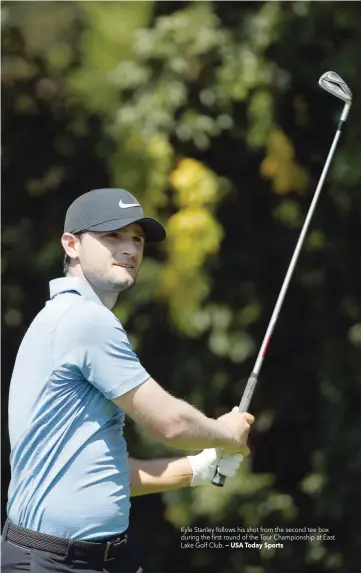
{"type": "Point", "coordinates": [128, 247]}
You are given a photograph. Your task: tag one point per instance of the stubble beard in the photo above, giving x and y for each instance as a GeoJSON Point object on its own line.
{"type": "Point", "coordinates": [111, 284]}
{"type": "Point", "coordinates": [121, 285]}
{"type": "Point", "coordinates": [117, 286]}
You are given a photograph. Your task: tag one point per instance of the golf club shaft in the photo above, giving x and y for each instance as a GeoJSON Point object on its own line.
{"type": "Point", "coordinates": [219, 479]}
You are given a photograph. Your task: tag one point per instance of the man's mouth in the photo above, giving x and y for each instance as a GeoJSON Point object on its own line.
{"type": "Point", "coordinates": [125, 265]}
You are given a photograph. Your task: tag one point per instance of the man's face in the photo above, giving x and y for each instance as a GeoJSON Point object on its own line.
{"type": "Point", "coordinates": [110, 260]}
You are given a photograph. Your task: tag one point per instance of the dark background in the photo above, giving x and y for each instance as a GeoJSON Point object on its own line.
{"type": "Point", "coordinates": [211, 115]}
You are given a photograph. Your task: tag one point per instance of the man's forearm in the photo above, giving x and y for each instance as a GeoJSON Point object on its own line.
{"type": "Point", "coordinates": [192, 430]}
{"type": "Point", "coordinates": [180, 425]}
{"type": "Point", "coordinates": [155, 476]}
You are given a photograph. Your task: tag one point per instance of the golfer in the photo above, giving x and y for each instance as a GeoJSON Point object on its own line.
{"type": "Point", "coordinates": [75, 378]}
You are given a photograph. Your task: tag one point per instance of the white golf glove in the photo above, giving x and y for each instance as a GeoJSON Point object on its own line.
{"type": "Point", "coordinates": [204, 465]}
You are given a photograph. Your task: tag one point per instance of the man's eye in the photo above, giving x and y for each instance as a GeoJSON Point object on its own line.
{"type": "Point", "coordinates": [138, 239]}
{"type": "Point", "coordinates": [112, 235]}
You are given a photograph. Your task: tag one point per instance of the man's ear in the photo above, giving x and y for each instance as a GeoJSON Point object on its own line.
{"type": "Point", "coordinates": [70, 243]}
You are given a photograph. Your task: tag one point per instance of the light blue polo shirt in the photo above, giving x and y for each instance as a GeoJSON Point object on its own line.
{"type": "Point", "coordinates": [69, 470]}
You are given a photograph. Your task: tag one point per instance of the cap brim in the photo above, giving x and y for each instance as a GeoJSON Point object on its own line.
{"type": "Point", "coordinates": [154, 231]}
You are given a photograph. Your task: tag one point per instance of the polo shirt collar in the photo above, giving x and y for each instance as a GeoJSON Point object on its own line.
{"type": "Point", "coordinates": [67, 284]}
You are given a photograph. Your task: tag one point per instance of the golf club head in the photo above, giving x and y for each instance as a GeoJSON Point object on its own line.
{"type": "Point", "coordinates": [332, 83]}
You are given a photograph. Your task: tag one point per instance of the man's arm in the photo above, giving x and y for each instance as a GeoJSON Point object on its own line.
{"type": "Point", "coordinates": [179, 425]}
{"type": "Point", "coordinates": [106, 359]}
{"type": "Point", "coordinates": [155, 476]}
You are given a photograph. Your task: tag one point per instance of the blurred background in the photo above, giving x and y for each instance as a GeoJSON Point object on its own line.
{"type": "Point", "coordinates": [211, 114]}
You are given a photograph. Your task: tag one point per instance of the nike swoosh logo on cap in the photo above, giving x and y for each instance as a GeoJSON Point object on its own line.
{"type": "Point", "coordinates": [127, 205]}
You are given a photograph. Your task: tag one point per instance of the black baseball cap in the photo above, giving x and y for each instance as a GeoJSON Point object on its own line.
{"type": "Point", "coordinates": [110, 210]}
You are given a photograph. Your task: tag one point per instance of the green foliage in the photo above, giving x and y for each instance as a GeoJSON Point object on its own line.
{"type": "Point", "coordinates": [106, 39]}
{"type": "Point", "coordinates": [210, 113]}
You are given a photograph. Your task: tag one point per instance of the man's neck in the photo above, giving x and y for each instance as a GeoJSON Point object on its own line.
{"type": "Point", "coordinates": [107, 298]}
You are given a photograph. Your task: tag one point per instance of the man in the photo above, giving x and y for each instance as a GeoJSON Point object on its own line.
{"type": "Point", "coordinates": [75, 378]}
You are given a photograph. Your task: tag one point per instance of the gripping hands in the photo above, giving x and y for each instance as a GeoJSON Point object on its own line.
{"type": "Point", "coordinates": [239, 423]}
{"type": "Point", "coordinates": [227, 460]}
{"type": "Point", "coordinates": [205, 464]}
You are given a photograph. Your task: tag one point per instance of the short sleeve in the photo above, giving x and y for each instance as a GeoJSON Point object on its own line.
{"type": "Point", "coordinates": [97, 344]}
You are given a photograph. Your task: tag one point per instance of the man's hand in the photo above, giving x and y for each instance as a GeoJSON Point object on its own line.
{"type": "Point", "coordinates": [204, 465]}
{"type": "Point", "coordinates": [239, 423]}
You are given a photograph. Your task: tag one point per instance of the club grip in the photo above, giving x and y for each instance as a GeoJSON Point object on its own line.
{"type": "Point", "coordinates": [219, 480]}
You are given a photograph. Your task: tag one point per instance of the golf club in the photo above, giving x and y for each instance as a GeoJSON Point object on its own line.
{"type": "Point", "coordinates": [332, 83]}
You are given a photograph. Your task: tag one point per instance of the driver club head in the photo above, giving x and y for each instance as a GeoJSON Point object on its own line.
{"type": "Point", "coordinates": [334, 84]}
